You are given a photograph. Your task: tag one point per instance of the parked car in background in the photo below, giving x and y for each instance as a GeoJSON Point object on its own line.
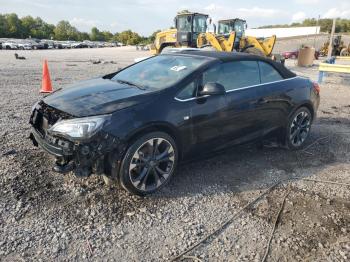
{"type": "Point", "coordinates": [89, 44]}
{"type": "Point", "coordinates": [100, 44]}
{"type": "Point", "coordinates": [79, 45]}
{"type": "Point", "coordinates": [294, 54]}
{"type": "Point", "coordinates": [134, 126]}
{"type": "Point", "coordinates": [48, 44]}
{"type": "Point", "coordinates": [66, 44]}
{"type": "Point", "coordinates": [9, 45]}
{"type": "Point", "coordinates": [24, 46]}
{"type": "Point", "coordinates": [39, 45]}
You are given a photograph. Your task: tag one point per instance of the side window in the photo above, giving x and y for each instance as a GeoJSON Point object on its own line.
{"type": "Point", "coordinates": [187, 92]}
{"type": "Point", "coordinates": [268, 73]}
{"type": "Point", "coordinates": [233, 75]}
{"type": "Point", "coordinates": [212, 74]}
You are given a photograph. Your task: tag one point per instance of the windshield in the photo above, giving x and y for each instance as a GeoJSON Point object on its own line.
{"type": "Point", "coordinates": [184, 23]}
{"type": "Point", "coordinates": [159, 72]}
{"type": "Point", "coordinates": [239, 26]}
{"type": "Point", "coordinates": [225, 28]}
{"type": "Point", "coordinates": [200, 24]}
{"type": "Point", "coordinates": [229, 26]}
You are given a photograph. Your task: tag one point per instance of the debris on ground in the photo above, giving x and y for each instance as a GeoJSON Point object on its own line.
{"type": "Point", "coordinates": [19, 57]}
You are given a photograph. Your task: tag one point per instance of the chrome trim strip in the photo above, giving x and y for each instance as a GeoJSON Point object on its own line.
{"type": "Point", "coordinates": [229, 91]}
{"type": "Point", "coordinates": [189, 99]}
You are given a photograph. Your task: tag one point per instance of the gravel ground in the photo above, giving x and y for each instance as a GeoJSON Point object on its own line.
{"type": "Point", "coordinates": [46, 216]}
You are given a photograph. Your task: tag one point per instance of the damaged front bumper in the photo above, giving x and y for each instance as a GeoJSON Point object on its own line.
{"type": "Point", "coordinates": [83, 157]}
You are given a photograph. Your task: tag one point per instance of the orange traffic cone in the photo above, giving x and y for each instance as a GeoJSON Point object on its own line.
{"type": "Point", "coordinates": [46, 86]}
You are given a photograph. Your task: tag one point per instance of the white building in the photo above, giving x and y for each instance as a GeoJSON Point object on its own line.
{"type": "Point", "coordinates": [283, 32]}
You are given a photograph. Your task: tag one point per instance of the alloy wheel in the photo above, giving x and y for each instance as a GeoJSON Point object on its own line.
{"type": "Point", "coordinates": [152, 164]}
{"type": "Point", "coordinates": [300, 128]}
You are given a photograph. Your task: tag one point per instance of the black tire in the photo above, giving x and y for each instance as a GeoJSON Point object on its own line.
{"type": "Point", "coordinates": [254, 51]}
{"type": "Point", "coordinates": [298, 128]}
{"type": "Point", "coordinates": [142, 172]}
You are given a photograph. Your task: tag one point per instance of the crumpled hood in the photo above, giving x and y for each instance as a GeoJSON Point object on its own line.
{"type": "Point", "coordinates": [95, 97]}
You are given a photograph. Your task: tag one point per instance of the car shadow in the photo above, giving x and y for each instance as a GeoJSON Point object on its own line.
{"type": "Point", "coordinates": [249, 167]}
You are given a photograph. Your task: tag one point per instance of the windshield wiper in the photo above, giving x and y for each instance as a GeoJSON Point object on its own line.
{"type": "Point", "coordinates": [131, 84]}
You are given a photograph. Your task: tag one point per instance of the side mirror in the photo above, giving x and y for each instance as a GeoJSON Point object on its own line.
{"type": "Point", "coordinates": [212, 89]}
{"type": "Point", "coordinates": [175, 22]}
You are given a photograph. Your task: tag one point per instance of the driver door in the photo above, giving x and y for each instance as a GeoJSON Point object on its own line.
{"type": "Point", "coordinates": [208, 115]}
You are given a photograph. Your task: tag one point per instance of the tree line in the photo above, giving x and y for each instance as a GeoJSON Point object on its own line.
{"type": "Point", "coordinates": [11, 26]}
{"type": "Point", "coordinates": [341, 26]}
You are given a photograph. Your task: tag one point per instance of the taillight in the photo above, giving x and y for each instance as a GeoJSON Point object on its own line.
{"type": "Point", "coordinates": [316, 87]}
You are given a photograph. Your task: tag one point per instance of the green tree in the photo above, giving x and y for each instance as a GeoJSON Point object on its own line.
{"type": "Point", "coordinates": [95, 34]}
{"type": "Point", "coordinates": [3, 26]}
{"type": "Point", "coordinates": [65, 31]}
{"type": "Point", "coordinates": [129, 37]}
{"type": "Point", "coordinates": [28, 24]}
{"type": "Point", "coordinates": [107, 36]}
{"type": "Point", "coordinates": [116, 37]}
{"type": "Point", "coordinates": [83, 36]}
{"type": "Point", "coordinates": [14, 24]}
{"type": "Point", "coordinates": [152, 37]}
{"type": "Point", "coordinates": [37, 28]}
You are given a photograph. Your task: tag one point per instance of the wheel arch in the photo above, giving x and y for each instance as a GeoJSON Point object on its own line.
{"type": "Point", "coordinates": [303, 104]}
{"type": "Point", "coordinates": [306, 104]}
{"type": "Point", "coordinates": [157, 126]}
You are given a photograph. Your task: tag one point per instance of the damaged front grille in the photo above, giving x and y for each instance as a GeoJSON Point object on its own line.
{"type": "Point", "coordinates": [52, 114]}
{"type": "Point", "coordinates": [42, 118]}
{"type": "Point", "coordinates": [45, 116]}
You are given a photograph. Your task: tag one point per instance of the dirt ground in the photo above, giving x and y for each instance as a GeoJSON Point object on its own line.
{"type": "Point", "coordinates": [46, 216]}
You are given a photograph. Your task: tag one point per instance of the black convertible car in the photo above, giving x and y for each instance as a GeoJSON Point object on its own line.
{"type": "Point", "coordinates": [135, 125]}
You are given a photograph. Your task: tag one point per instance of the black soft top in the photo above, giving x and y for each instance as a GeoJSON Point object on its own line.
{"type": "Point", "coordinates": [238, 56]}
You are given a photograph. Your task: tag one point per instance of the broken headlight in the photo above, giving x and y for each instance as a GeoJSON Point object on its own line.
{"type": "Point", "coordinates": [79, 128]}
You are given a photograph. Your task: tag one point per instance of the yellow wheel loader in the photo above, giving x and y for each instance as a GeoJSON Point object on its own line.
{"type": "Point", "coordinates": [338, 47]}
{"type": "Point", "coordinates": [190, 31]}
{"type": "Point", "coordinates": [231, 36]}
{"type": "Point", "coordinates": [188, 26]}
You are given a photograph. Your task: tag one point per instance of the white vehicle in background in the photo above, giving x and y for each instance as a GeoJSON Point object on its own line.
{"type": "Point", "coordinates": [24, 46]}
{"type": "Point", "coordinates": [100, 44]}
{"type": "Point", "coordinates": [9, 46]}
{"type": "Point", "coordinates": [89, 44]}
{"type": "Point", "coordinates": [66, 44]}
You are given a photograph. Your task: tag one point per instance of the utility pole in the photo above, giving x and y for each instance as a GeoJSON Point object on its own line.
{"type": "Point", "coordinates": [317, 31]}
{"type": "Point", "coordinates": [331, 40]}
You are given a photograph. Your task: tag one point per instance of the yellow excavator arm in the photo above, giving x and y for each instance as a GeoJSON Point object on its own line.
{"type": "Point", "coordinates": [222, 43]}
{"type": "Point", "coordinates": [265, 46]}
{"type": "Point", "coordinates": [219, 42]}
{"type": "Point", "coordinates": [163, 39]}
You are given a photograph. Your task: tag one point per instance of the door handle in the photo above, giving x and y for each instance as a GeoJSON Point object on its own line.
{"type": "Point", "coordinates": [262, 101]}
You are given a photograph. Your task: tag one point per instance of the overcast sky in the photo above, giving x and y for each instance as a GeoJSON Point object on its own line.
{"type": "Point", "coordinates": [146, 16]}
